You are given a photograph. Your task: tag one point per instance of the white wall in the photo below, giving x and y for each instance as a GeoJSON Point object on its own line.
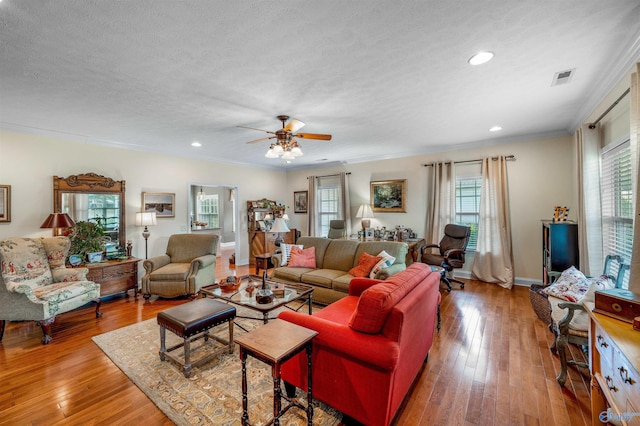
{"type": "Point", "coordinates": [28, 163]}
{"type": "Point", "coordinates": [539, 179]}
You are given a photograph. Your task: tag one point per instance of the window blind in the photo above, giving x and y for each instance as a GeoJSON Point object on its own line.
{"type": "Point", "coordinates": [616, 171]}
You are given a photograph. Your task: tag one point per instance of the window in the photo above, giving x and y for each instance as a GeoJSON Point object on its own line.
{"type": "Point", "coordinates": [617, 201]}
{"type": "Point", "coordinates": [207, 211]}
{"type": "Point", "coordinates": [468, 190]}
{"type": "Point", "coordinates": [328, 203]}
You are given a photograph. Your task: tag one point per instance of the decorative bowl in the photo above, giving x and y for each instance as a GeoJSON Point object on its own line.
{"type": "Point", "coordinates": [229, 284]}
{"type": "Point", "coordinates": [75, 260]}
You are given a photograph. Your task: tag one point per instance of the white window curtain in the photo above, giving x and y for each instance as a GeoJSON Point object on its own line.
{"type": "Point", "coordinates": [441, 207]}
{"type": "Point", "coordinates": [346, 199]}
{"type": "Point", "coordinates": [493, 262]}
{"type": "Point", "coordinates": [587, 144]}
{"type": "Point", "coordinates": [311, 207]}
{"type": "Point", "coordinates": [634, 283]}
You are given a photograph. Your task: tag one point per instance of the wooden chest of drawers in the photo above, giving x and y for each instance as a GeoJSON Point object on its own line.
{"type": "Point", "coordinates": [115, 276]}
{"type": "Point", "coordinates": [614, 348]}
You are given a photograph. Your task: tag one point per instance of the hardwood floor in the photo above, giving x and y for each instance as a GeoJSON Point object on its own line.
{"type": "Point", "coordinates": [489, 365]}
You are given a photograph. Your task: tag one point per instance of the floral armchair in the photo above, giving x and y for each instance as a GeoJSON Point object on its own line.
{"type": "Point", "coordinates": [36, 286]}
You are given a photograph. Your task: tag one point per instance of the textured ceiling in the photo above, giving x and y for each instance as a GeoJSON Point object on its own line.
{"type": "Point", "coordinates": [385, 78]}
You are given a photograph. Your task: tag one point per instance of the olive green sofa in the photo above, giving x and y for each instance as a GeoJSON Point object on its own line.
{"type": "Point", "coordinates": [334, 259]}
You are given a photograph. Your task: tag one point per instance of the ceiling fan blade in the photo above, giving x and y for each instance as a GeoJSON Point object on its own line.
{"type": "Point", "coordinates": [260, 130]}
{"type": "Point", "coordinates": [319, 136]}
{"type": "Point", "coordinates": [262, 139]}
{"type": "Point", "coordinates": [294, 125]}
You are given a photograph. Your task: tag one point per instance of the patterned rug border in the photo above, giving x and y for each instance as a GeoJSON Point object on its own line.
{"type": "Point", "coordinates": [144, 339]}
{"type": "Point", "coordinates": [163, 406]}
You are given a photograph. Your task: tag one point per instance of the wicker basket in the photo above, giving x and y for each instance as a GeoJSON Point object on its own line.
{"type": "Point", "coordinates": [540, 303]}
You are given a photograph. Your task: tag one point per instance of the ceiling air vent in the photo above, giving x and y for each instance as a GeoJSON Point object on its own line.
{"type": "Point", "coordinates": [562, 77]}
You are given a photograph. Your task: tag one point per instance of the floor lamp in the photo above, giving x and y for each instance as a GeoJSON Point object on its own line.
{"type": "Point", "coordinates": [146, 219]}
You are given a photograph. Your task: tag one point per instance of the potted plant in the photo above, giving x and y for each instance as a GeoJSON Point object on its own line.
{"type": "Point", "coordinates": [87, 239]}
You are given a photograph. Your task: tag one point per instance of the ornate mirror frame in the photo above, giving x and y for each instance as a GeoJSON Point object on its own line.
{"type": "Point", "coordinates": [91, 183]}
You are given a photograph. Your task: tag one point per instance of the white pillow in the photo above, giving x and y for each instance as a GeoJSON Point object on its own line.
{"type": "Point", "coordinates": [571, 286]}
{"type": "Point", "coordinates": [386, 261]}
{"type": "Point", "coordinates": [286, 252]}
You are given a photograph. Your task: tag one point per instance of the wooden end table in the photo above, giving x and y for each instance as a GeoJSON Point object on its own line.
{"type": "Point", "coordinates": [262, 262]}
{"type": "Point", "coordinates": [275, 343]}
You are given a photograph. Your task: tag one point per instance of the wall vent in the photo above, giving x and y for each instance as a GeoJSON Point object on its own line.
{"type": "Point", "coordinates": [562, 77]}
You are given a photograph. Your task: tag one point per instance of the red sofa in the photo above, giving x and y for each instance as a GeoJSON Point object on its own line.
{"type": "Point", "coordinates": [371, 344]}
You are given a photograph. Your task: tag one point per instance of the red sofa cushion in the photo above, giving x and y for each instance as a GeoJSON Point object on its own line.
{"type": "Point", "coordinates": [377, 301]}
{"type": "Point", "coordinates": [365, 265]}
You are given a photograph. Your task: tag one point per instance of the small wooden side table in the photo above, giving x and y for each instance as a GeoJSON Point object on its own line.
{"type": "Point", "coordinates": [262, 262]}
{"type": "Point", "coordinates": [275, 343]}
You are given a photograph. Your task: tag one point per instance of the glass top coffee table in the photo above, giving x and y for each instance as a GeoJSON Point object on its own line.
{"type": "Point", "coordinates": [242, 297]}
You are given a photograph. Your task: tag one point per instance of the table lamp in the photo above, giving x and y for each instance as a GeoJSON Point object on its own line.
{"type": "Point", "coordinates": [146, 219]}
{"type": "Point", "coordinates": [58, 221]}
{"type": "Point", "coordinates": [366, 214]}
{"type": "Point", "coordinates": [279, 226]}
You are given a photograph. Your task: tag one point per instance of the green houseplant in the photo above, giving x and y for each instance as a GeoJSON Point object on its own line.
{"type": "Point", "coordinates": [87, 237]}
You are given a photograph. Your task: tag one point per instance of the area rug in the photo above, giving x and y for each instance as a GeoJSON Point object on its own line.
{"type": "Point", "coordinates": [213, 393]}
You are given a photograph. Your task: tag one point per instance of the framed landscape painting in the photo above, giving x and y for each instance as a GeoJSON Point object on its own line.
{"type": "Point", "coordinates": [300, 200]}
{"type": "Point", "coordinates": [389, 196]}
{"type": "Point", "coordinates": [5, 203]}
{"type": "Point", "coordinates": [160, 202]}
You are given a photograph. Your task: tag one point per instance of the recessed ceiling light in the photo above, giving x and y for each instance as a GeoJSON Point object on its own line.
{"type": "Point", "coordinates": [495, 129]}
{"type": "Point", "coordinates": [481, 58]}
{"type": "Point", "coordinates": [196, 144]}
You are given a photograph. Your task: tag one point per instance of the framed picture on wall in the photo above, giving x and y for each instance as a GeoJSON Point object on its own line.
{"type": "Point", "coordinates": [300, 200]}
{"type": "Point", "coordinates": [5, 203]}
{"type": "Point", "coordinates": [160, 202]}
{"type": "Point", "coordinates": [389, 196]}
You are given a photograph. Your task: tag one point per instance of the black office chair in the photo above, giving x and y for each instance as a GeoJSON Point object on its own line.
{"type": "Point", "coordinates": [452, 249]}
{"type": "Point", "coordinates": [336, 229]}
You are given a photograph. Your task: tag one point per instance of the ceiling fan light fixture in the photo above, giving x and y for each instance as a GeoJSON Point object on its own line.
{"type": "Point", "coordinates": [287, 155]}
{"type": "Point", "coordinates": [296, 151]}
{"type": "Point", "coordinates": [271, 153]}
{"type": "Point", "coordinates": [277, 148]}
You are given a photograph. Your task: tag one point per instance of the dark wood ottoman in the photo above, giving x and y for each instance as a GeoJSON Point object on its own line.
{"type": "Point", "coordinates": [192, 321]}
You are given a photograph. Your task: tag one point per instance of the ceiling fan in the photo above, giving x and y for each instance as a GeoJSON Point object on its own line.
{"type": "Point", "coordinates": [285, 145]}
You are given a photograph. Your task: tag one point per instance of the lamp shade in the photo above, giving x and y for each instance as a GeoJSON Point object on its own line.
{"type": "Point", "coordinates": [365, 212]}
{"type": "Point", "coordinates": [145, 218]}
{"type": "Point", "coordinates": [58, 220]}
{"type": "Point", "coordinates": [280, 226]}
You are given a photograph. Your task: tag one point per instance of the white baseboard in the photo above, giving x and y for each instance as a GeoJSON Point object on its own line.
{"type": "Point", "coordinates": [518, 281]}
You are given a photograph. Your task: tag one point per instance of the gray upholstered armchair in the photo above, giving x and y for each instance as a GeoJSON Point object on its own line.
{"type": "Point", "coordinates": [189, 264]}
{"type": "Point", "coordinates": [337, 229]}
{"type": "Point", "coordinates": [36, 286]}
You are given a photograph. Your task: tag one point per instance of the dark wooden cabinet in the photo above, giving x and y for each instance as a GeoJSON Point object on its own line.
{"type": "Point", "coordinates": [264, 242]}
{"type": "Point", "coordinates": [115, 276]}
{"type": "Point", "coordinates": [559, 247]}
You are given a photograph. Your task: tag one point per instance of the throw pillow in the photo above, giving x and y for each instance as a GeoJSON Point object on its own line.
{"type": "Point", "coordinates": [286, 252]}
{"type": "Point", "coordinates": [303, 258]}
{"type": "Point", "coordinates": [365, 265]}
{"type": "Point", "coordinates": [571, 286]}
{"type": "Point", "coordinates": [386, 261]}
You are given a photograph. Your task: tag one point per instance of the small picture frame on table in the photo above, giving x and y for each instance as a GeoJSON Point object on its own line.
{"type": "Point", "coordinates": [369, 234]}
